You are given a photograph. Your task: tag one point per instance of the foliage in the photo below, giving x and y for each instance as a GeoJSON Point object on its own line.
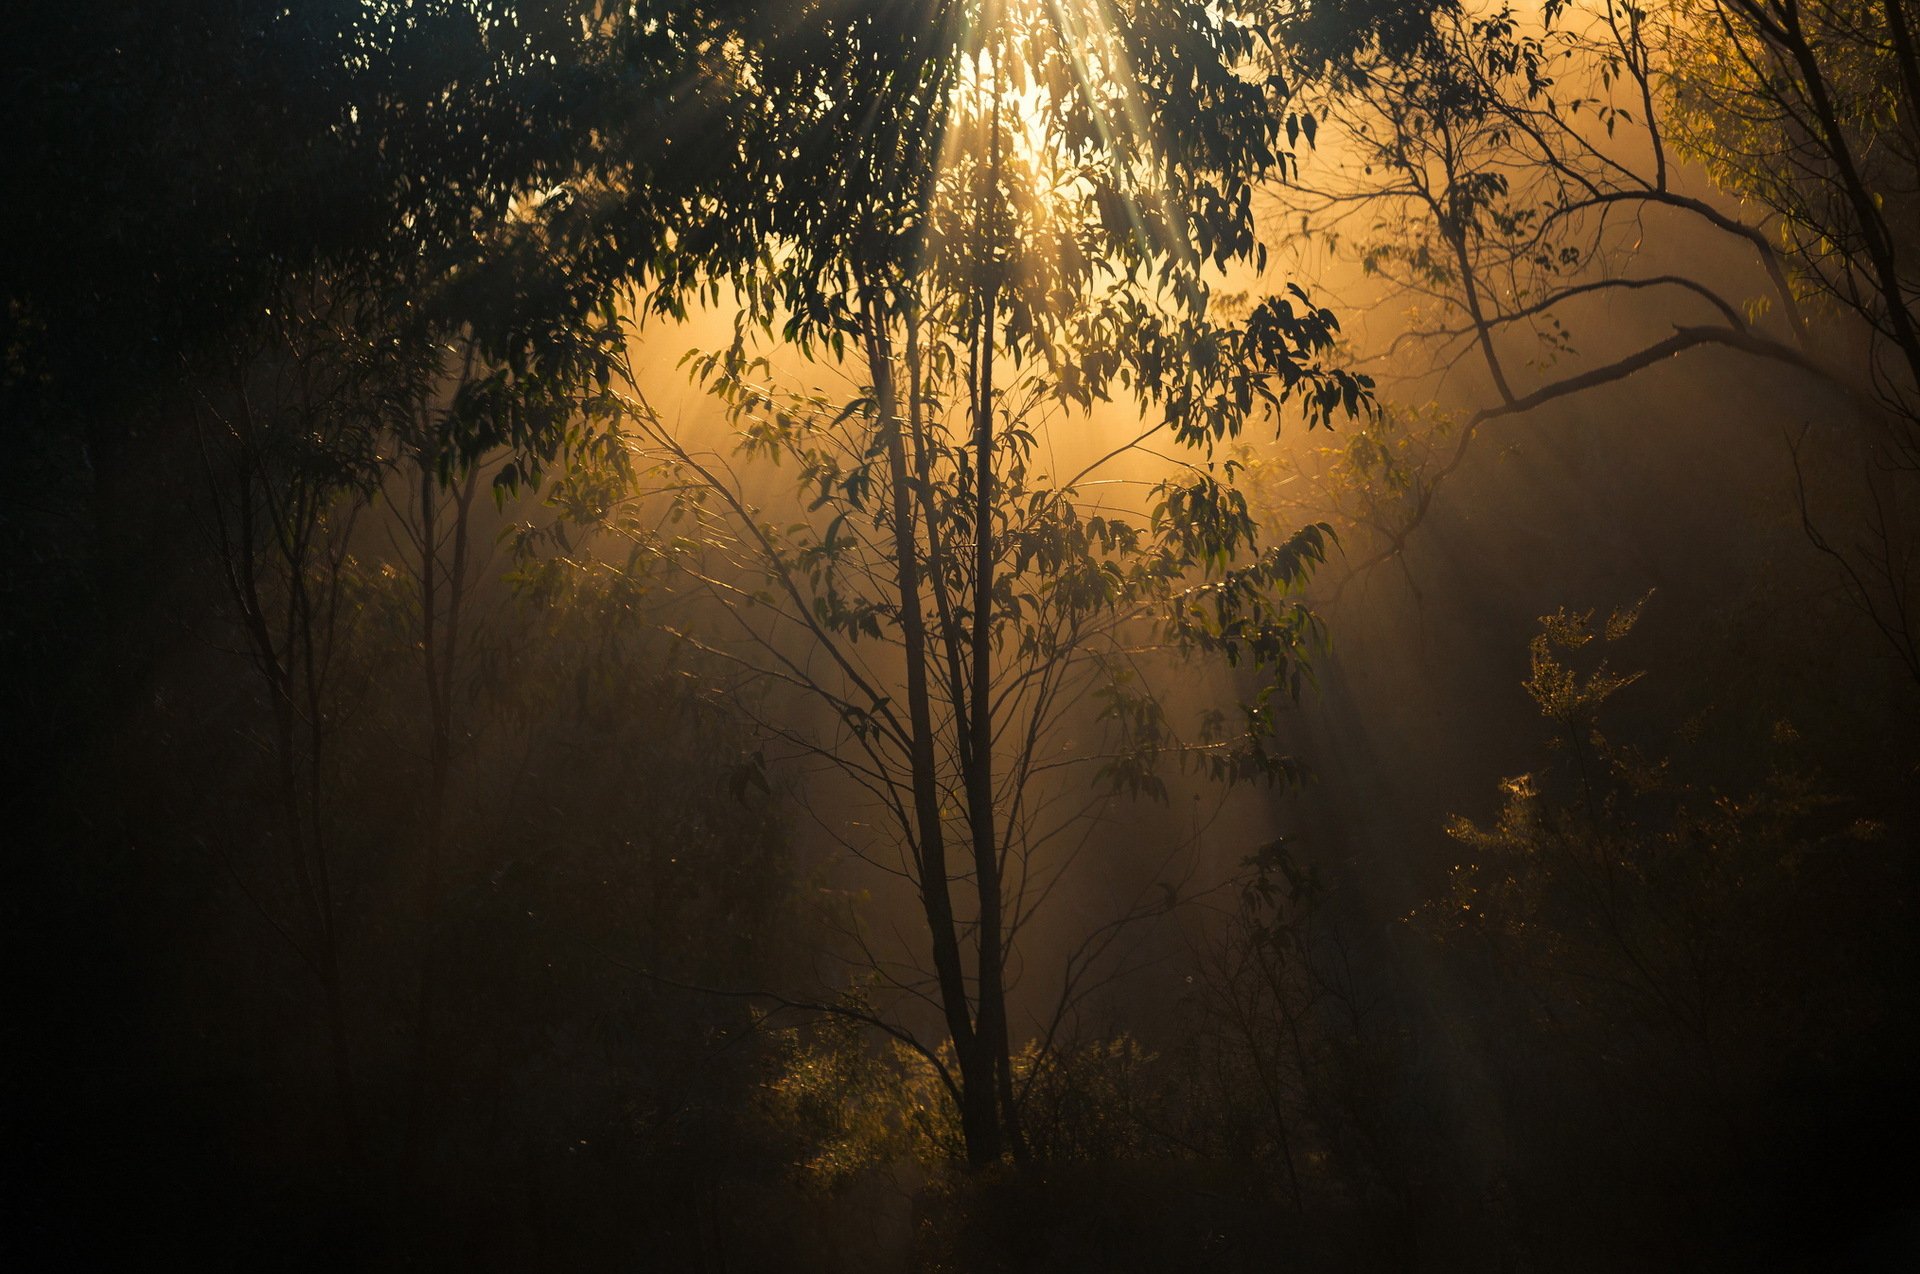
{"type": "Point", "coordinates": [1500, 171]}
{"type": "Point", "coordinates": [853, 1110]}
{"type": "Point", "coordinates": [1630, 895]}
{"type": "Point", "coordinates": [1808, 112]}
{"type": "Point", "coordinates": [1035, 234]}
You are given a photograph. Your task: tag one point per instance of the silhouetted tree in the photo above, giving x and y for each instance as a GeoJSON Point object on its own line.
{"type": "Point", "coordinates": [1028, 221]}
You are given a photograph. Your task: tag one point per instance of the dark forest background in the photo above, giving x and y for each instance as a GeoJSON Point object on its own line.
{"type": "Point", "coordinates": [402, 870]}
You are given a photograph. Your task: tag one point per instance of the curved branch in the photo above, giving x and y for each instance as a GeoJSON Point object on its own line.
{"type": "Point", "coordinates": [1682, 340]}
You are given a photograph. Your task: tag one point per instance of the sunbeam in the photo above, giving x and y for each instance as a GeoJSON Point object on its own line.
{"type": "Point", "coordinates": [962, 635]}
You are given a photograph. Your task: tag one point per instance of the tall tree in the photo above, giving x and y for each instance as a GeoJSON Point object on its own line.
{"type": "Point", "coordinates": [994, 217]}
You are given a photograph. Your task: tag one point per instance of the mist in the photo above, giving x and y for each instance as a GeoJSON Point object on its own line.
{"type": "Point", "coordinates": [961, 637]}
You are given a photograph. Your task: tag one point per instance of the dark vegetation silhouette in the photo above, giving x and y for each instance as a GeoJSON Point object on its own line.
{"type": "Point", "coordinates": [1515, 177]}
{"type": "Point", "coordinates": [936, 778]}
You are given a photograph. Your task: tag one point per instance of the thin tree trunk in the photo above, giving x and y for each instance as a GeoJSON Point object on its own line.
{"type": "Point", "coordinates": [995, 1041]}
{"type": "Point", "coordinates": [978, 1120]}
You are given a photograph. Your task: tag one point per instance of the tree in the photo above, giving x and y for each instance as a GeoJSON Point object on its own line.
{"type": "Point", "coordinates": [1500, 173]}
{"type": "Point", "coordinates": [1655, 922]}
{"type": "Point", "coordinates": [289, 453]}
{"type": "Point", "coordinates": [365, 297]}
{"type": "Point", "coordinates": [992, 222]}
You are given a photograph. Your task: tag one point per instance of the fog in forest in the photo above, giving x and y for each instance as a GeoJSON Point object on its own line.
{"type": "Point", "coordinates": [963, 635]}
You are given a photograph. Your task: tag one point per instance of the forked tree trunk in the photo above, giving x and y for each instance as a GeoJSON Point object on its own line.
{"type": "Point", "coordinates": [979, 1096]}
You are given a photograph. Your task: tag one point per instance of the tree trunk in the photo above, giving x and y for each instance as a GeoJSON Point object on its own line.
{"type": "Point", "coordinates": [979, 1098]}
